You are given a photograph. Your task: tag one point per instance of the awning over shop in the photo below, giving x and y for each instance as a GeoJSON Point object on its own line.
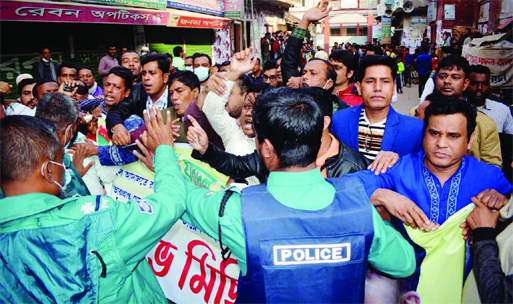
{"type": "Point", "coordinates": [181, 18]}
{"type": "Point", "coordinates": [348, 18]}
{"type": "Point", "coordinates": [73, 12]}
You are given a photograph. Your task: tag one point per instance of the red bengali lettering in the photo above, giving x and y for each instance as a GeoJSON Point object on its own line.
{"type": "Point", "coordinates": [163, 257]}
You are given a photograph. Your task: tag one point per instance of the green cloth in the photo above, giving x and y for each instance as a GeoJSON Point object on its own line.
{"type": "Point", "coordinates": [77, 185]}
{"type": "Point", "coordinates": [299, 33]}
{"type": "Point", "coordinates": [179, 63]}
{"type": "Point", "coordinates": [129, 277]}
{"type": "Point", "coordinates": [389, 253]}
{"type": "Point", "coordinates": [400, 67]}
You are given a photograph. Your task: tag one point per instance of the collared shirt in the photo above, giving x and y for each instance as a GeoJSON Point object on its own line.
{"type": "Point", "coordinates": [350, 96]}
{"type": "Point", "coordinates": [306, 190]}
{"type": "Point", "coordinates": [259, 79]}
{"type": "Point", "coordinates": [411, 178]}
{"type": "Point", "coordinates": [370, 136]}
{"type": "Point", "coordinates": [161, 103]}
{"type": "Point", "coordinates": [332, 151]}
{"type": "Point", "coordinates": [500, 113]}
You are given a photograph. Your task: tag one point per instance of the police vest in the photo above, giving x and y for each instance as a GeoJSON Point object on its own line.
{"type": "Point", "coordinates": [305, 256]}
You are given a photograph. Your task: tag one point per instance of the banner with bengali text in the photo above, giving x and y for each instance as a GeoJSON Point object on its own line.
{"type": "Point", "coordinates": [196, 22]}
{"type": "Point", "coordinates": [154, 4]}
{"type": "Point", "coordinates": [212, 7]}
{"type": "Point", "coordinates": [496, 56]}
{"type": "Point", "coordinates": [186, 262]}
{"type": "Point", "coordinates": [49, 12]}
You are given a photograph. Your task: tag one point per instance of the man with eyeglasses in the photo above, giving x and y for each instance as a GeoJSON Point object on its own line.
{"type": "Point", "coordinates": [270, 76]}
{"type": "Point", "coordinates": [46, 68]}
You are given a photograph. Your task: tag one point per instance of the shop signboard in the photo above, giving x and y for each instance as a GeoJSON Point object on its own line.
{"type": "Point", "coordinates": [233, 9]}
{"type": "Point", "coordinates": [386, 30]}
{"type": "Point", "coordinates": [49, 12]}
{"type": "Point", "coordinates": [212, 7]}
{"type": "Point", "coordinates": [155, 4]}
{"type": "Point", "coordinates": [197, 22]}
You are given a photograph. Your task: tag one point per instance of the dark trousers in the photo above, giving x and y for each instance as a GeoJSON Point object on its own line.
{"type": "Point", "coordinates": [422, 82]}
{"type": "Point", "coordinates": [407, 75]}
{"type": "Point", "coordinates": [399, 84]}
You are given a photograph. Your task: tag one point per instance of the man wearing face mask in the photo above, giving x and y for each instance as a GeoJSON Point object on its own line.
{"type": "Point", "coordinates": [46, 68]}
{"type": "Point", "coordinates": [62, 111]}
{"type": "Point", "coordinates": [202, 64]}
{"type": "Point", "coordinates": [90, 249]}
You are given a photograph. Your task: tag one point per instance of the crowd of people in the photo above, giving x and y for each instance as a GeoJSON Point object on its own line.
{"type": "Point", "coordinates": [326, 183]}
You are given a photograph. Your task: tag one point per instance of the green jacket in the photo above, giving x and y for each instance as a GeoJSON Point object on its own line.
{"type": "Point", "coordinates": [87, 249]}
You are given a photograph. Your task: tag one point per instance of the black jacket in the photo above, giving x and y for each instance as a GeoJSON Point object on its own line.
{"type": "Point", "coordinates": [347, 161]}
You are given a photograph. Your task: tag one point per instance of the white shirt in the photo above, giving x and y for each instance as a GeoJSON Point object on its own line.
{"type": "Point", "coordinates": [234, 139]}
{"type": "Point", "coordinates": [500, 113]}
{"type": "Point", "coordinates": [161, 103]}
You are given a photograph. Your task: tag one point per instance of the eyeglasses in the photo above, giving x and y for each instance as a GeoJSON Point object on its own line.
{"type": "Point", "coordinates": [273, 78]}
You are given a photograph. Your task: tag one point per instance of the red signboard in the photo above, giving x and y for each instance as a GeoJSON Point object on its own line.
{"type": "Point", "coordinates": [49, 12]}
{"type": "Point", "coordinates": [197, 22]}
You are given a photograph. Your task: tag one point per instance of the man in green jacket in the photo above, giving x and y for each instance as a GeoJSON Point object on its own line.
{"type": "Point", "coordinates": [87, 249]}
{"type": "Point", "coordinates": [62, 111]}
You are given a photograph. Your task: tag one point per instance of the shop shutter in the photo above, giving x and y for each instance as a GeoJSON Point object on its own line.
{"type": "Point", "coordinates": [164, 39]}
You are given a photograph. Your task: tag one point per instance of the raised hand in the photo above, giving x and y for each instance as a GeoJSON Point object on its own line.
{"type": "Point", "coordinates": [196, 136]}
{"type": "Point", "coordinates": [316, 13]}
{"type": "Point", "coordinates": [241, 62]}
{"type": "Point", "coordinates": [158, 132]}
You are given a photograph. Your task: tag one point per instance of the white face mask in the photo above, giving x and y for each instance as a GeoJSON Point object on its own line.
{"type": "Point", "coordinates": [326, 85]}
{"type": "Point", "coordinates": [67, 175]}
{"type": "Point", "coordinates": [47, 60]}
{"type": "Point", "coordinates": [189, 68]}
{"type": "Point", "coordinates": [202, 73]}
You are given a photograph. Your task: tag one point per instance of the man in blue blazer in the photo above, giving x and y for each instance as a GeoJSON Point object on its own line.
{"type": "Point", "coordinates": [374, 126]}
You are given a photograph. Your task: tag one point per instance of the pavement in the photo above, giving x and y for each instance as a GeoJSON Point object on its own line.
{"type": "Point", "coordinates": [407, 100]}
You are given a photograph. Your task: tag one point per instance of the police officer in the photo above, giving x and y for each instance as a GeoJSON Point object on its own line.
{"type": "Point", "coordinates": [83, 249]}
{"type": "Point", "coordinates": [298, 238]}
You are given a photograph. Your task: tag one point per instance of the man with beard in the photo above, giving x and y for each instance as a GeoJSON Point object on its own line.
{"type": "Point", "coordinates": [95, 242]}
{"type": "Point", "coordinates": [62, 111]}
{"type": "Point", "coordinates": [477, 93]}
{"type": "Point", "coordinates": [27, 100]}
{"type": "Point", "coordinates": [132, 61]}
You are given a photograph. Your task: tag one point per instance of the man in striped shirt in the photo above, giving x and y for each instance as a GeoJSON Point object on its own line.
{"type": "Point", "coordinates": [374, 128]}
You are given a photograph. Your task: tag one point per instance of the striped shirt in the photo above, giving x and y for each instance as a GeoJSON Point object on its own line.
{"type": "Point", "coordinates": [370, 136]}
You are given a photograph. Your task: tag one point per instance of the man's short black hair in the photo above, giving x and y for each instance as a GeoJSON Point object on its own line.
{"type": "Point", "coordinates": [132, 51]}
{"type": "Point", "coordinates": [84, 67]}
{"type": "Point", "coordinates": [24, 83]}
{"type": "Point", "coordinates": [377, 50]}
{"type": "Point", "coordinates": [448, 106]}
{"type": "Point", "coordinates": [323, 99]}
{"type": "Point", "coordinates": [330, 72]}
{"type": "Point", "coordinates": [161, 59]}
{"type": "Point", "coordinates": [293, 122]}
{"type": "Point", "coordinates": [269, 65]}
{"type": "Point", "coordinates": [259, 88]}
{"type": "Point", "coordinates": [25, 142]}
{"type": "Point", "coordinates": [43, 48]}
{"type": "Point", "coordinates": [454, 60]}
{"type": "Point", "coordinates": [125, 73]}
{"type": "Point", "coordinates": [346, 58]}
{"type": "Point", "coordinates": [188, 78]}
{"type": "Point", "coordinates": [258, 59]}
{"type": "Point", "coordinates": [373, 60]}
{"type": "Point", "coordinates": [169, 56]}
{"type": "Point", "coordinates": [198, 55]}
{"type": "Point", "coordinates": [58, 108]}
{"type": "Point", "coordinates": [177, 50]}
{"type": "Point", "coordinates": [69, 65]}
{"type": "Point", "coordinates": [479, 69]}
{"type": "Point", "coordinates": [39, 83]}
{"type": "Point", "coordinates": [111, 45]}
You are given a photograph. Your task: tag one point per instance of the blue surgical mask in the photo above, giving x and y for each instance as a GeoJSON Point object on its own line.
{"type": "Point", "coordinates": [202, 73]}
{"type": "Point", "coordinates": [71, 140]}
{"type": "Point", "coordinates": [67, 175]}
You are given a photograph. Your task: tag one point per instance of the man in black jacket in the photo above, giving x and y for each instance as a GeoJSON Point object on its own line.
{"type": "Point", "coordinates": [334, 158]}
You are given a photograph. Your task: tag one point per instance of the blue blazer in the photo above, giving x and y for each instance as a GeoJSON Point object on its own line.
{"type": "Point", "coordinates": [403, 134]}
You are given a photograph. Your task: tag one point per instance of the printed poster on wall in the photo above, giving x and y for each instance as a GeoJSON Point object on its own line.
{"type": "Point", "coordinates": [213, 7]}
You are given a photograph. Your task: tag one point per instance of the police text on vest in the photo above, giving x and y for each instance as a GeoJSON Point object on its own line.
{"type": "Point", "coordinates": [311, 254]}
